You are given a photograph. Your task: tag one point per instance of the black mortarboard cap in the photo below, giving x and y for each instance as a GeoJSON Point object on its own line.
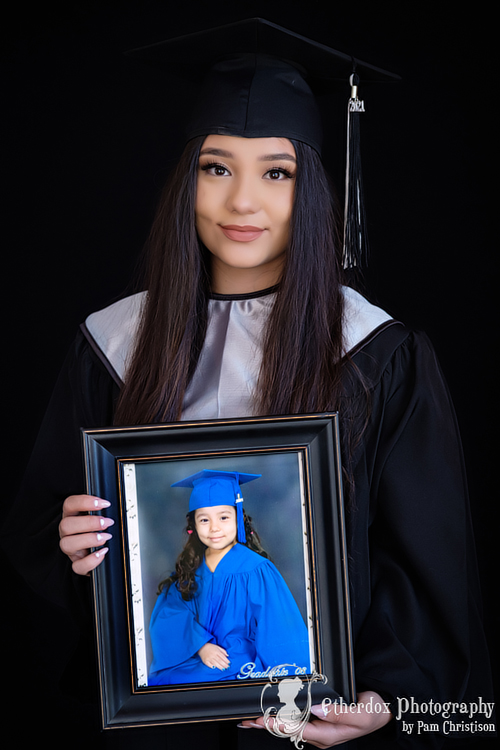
{"type": "Point", "coordinates": [260, 80]}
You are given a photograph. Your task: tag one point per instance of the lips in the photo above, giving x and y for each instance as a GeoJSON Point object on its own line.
{"type": "Point", "coordinates": [241, 233]}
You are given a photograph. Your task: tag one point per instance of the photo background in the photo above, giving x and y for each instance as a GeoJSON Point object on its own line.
{"type": "Point", "coordinates": [273, 501]}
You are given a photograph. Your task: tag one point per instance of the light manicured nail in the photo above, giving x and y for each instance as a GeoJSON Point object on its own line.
{"type": "Point", "coordinates": [103, 537]}
{"type": "Point", "coordinates": [100, 503]}
{"type": "Point", "coordinates": [105, 522]}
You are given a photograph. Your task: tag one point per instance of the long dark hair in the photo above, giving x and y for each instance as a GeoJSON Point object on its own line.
{"type": "Point", "coordinates": [304, 368]}
{"type": "Point", "coordinates": [174, 319]}
{"type": "Point", "coordinates": [303, 345]}
{"type": "Point", "coordinates": [192, 555]}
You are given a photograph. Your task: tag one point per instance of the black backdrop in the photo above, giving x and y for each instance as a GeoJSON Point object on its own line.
{"type": "Point", "coordinates": [88, 142]}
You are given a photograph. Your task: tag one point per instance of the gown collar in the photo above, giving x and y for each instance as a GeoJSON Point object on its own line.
{"type": "Point", "coordinates": [222, 564]}
{"type": "Point", "coordinates": [227, 372]}
{"type": "Point", "coordinates": [247, 295]}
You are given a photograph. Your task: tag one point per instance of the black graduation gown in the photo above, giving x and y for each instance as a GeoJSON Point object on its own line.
{"type": "Point", "coordinates": [414, 590]}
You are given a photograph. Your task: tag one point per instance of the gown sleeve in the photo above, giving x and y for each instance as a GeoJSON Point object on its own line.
{"type": "Point", "coordinates": [415, 592]}
{"type": "Point", "coordinates": [83, 397]}
{"type": "Point", "coordinates": [280, 632]}
{"type": "Point", "coordinates": [176, 634]}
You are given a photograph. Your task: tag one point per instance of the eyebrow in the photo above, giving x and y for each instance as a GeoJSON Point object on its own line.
{"type": "Point", "coordinates": [267, 157]}
{"type": "Point", "coordinates": [277, 157]}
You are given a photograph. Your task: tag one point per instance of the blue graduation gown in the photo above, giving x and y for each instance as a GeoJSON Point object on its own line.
{"type": "Point", "coordinates": [244, 606]}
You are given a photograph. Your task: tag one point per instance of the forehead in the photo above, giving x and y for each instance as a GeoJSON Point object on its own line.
{"type": "Point", "coordinates": [248, 147]}
{"type": "Point", "coordinates": [213, 510]}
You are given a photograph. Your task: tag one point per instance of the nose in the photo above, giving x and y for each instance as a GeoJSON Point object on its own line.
{"type": "Point", "coordinates": [243, 196]}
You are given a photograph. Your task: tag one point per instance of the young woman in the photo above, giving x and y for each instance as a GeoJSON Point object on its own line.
{"type": "Point", "coordinates": [226, 611]}
{"type": "Point", "coordinates": [246, 313]}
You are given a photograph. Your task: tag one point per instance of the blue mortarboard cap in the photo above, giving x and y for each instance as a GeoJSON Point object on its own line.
{"type": "Point", "coordinates": [211, 488]}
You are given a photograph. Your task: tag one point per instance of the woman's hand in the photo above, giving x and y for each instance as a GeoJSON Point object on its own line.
{"type": "Point", "coordinates": [79, 531]}
{"type": "Point", "coordinates": [214, 656]}
{"type": "Point", "coordinates": [342, 722]}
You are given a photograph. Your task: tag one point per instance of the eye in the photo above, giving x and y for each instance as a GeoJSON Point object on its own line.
{"type": "Point", "coordinates": [279, 173]}
{"type": "Point", "coordinates": [216, 170]}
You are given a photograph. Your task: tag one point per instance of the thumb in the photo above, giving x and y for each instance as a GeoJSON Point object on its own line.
{"type": "Point", "coordinates": [319, 712]}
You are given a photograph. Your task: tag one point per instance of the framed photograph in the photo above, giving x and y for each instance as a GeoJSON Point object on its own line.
{"type": "Point", "coordinates": [275, 608]}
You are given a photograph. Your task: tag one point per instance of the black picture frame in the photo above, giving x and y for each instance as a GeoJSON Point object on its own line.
{"type": "Point", "coordinates": [301, 513]}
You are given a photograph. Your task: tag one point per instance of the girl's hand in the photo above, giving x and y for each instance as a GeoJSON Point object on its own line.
{"type": "Point", "coordinates": [342, 721]}
{"type": "Point", "coordinates": [214, 656]}
{"type": "Point", "coordinates": [78, 531]}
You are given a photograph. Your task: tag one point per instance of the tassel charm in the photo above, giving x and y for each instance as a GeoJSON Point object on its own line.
{"type": "Point", "coordinates": [355, 249]}
{"type": "Point", "coordinates": [355, 104]}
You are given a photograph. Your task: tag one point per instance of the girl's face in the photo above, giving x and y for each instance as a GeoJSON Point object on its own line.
{"type": "Point", "coordinates": [244, 203]}
{"type": "Point", "coordinates": [216, 527]}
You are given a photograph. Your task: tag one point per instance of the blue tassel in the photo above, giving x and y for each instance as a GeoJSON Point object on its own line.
{"type": "Point", "coordinates": [240, 521]}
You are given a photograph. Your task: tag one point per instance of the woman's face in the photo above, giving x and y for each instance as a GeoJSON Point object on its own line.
{"type": "Point", "coordinates": [244, 203]}
{"type": "Point", "coordinates": [216, 527]}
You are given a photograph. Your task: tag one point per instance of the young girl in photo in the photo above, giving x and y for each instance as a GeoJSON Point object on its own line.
{"type": "Point", "coordinates": [226, 612]}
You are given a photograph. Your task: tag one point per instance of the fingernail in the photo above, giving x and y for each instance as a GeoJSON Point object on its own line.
{"type": "Point", "coordinates": [104, 537]}
{"type": "Point", "coordinates": [105, 522]}
{"type": "Point", "coordinates": [99, 503]}
{"type": "Point", "coordinates": [101, 552]}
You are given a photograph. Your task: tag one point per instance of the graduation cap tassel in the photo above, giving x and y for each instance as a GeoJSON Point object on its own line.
{"type": "Point", "coordinates": [355, 250]}
{"type": "Point", "coordinates": [240, 521]}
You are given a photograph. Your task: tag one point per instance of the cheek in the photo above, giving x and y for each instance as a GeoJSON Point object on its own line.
{"type": "Point", "coordinates": [283, 208]}
{"type": "Point", "coordinates": [205, 214]}
{"type": "Point", "coordinates": [200, 221]}
{"type": "Point", "coordinates": [202, 197]}
{"type": "Point", "coordinates": [209, 198]}
{"type": "Point", "coordinates": [199, 204]}
{"type": "Point", "coordinates": [289, 204]}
